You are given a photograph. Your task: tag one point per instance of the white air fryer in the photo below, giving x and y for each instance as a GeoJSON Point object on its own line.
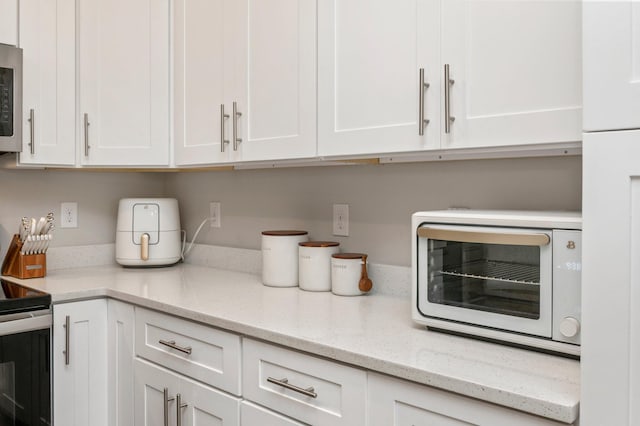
{"type": "Point", "coordinates": [148, 232]}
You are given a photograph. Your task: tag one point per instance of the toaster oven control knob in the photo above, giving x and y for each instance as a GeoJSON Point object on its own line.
{"type": "Point", "coordinates": [569, 327]}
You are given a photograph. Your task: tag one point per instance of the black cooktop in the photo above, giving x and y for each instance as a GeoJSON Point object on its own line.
{"type": "Point", "coordinates": [15, 298]}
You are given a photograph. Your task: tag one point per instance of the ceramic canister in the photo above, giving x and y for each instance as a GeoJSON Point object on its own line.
{"type": "Point", "coordinates": [346, 272]}
{"type": "Point", "coordinates": [280, 257]}
{"type": "Point", "coordinates": [314, 264]}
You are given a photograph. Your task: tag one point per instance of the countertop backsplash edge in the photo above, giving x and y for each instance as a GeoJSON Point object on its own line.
{"type": "Point", "coordinates": [387, 279]}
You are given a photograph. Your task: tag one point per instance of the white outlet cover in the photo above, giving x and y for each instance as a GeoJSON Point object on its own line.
{"type": "Point", "coordinates": [68, 215]}
{"type": "Point", "coordinates": [341, 220]}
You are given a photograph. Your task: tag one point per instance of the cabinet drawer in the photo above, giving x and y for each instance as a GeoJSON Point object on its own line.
{"type": "Point", "coordinates": [195, 350]}
{"type": "Point", "coordinates": [395, 402]}
{"type": "Point", "coordinates": [337, 397]}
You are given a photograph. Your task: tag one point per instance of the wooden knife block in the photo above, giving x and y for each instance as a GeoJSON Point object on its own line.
{"type": "Point", "coordinates": [23, 265]}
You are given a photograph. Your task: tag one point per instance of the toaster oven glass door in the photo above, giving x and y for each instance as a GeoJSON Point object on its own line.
{"type": "Point", "coordinates": [492, 277]}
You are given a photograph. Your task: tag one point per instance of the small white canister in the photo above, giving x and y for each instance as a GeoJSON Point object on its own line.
{"type": "Point", "coordinates": [280, 257]}
{"type": "Point", "coordinates": [314, 263]}
{"type": "Point", "coordinates": [349, 274]}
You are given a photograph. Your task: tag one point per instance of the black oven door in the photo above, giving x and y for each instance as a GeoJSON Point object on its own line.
{"type": "Point", "coordinates": [25, 374]}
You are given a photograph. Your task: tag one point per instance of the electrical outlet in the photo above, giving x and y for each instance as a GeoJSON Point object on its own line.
{"type": "Point", "coordinates": [214, 214]}
{"type": "Point", "coordinates": [341, 220]}
{"type": "Point", "coordinates": [69, 215]}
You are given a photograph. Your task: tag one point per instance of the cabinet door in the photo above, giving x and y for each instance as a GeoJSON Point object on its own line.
{"type": "Point", "coordinates": [48, 40]}
{"type": "Point", "coordinates": [200, 404]}
{"type": "Point", "coordinates": [124, 82]}
{"type": "Point", "coordinates": [610, 363]}
{"type": "Point", "coordinates": [202, 77]}
{"type": "Point", "coordinates": [276, 57]}
{"type": "Point", "coordinates": [80, 380]}
{"type": "Point", "coordinates": [394, 402]}
{"type": "Point", "coordinates": [516, 67]}
{"type": "Point", "coordinates": [252, 415]}
{"type": "Point", "coordinates": [120, 344]}
{"type": "Point", "coordinates": [9, 22]}
{"type": "Point", "coordinates": [611, 65]}
{"type": "Point", "coordinates": [369, 56]}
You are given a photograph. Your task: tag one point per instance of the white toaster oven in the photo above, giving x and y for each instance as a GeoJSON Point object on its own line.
{"type": "Point", "coordinates": [512, 276]}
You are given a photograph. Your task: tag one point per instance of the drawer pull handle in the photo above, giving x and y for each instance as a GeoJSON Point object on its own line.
{"type": "Point", "coordinates": [285, 384]}
{"type": "Point", "coordinates": [172, 345]}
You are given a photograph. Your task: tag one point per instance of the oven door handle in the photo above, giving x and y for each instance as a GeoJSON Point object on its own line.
{"type": "Point", "coordinates": [528, 239]}
{"type": "Point", "coordinates": [25, 324]}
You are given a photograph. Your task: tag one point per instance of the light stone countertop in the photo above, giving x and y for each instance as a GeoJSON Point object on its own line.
{"type": "Point", "coordinates": [374, 331]}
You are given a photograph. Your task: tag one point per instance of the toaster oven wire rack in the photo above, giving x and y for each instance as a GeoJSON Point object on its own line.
{"type": "Point", "coordinates": [518, 273]}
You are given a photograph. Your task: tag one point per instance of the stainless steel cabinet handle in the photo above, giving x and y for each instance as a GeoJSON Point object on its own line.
{"type": "Point", "coordinates": [223, 119]}
{"type": "Point", "coordinates": [86, 134]}
{"type": "Point", "coordinates": [179, 407]}
{"type": "Point", "coordinates": [236, 115]}
{"type": "Point", "coordinates": [165, 404]}
{"type": "Point", "coordinates": [67, 327]}
{"type": "Point", "coordinates": [285, 384]}
{"type": "Point", "coordinates": [172, 345]}
{"type": "Point", "coordinates": [484, 237]}
{"type": "Point", "coordinates": [32, 127]}
{"type": "Point", "coordinates": [422, 123]}
{"type": "Point", "coordinates": [448, 82]}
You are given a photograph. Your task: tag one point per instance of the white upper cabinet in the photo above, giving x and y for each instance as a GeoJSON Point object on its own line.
{"type": "Point", "coordinates": [124, 115]}
{"type": "Point", "coordinates": [257, 56]}
{"type": "Point", "coordinates": [516, 71]}
{"type": "Point", "coordinates": [514, 74]}
{"type": "Point", "coordinates": [203, 77]}
{"type": "Point", "coordinates": [611, 65]}
{"type": "Point", "coordinates": [9, 22]}
{"type": "Point", "coordinates": [47, 37]}
{"type": "Point", "coordinates": [370, 53]}
{"type": "Point", "coordinates": [276, 94]}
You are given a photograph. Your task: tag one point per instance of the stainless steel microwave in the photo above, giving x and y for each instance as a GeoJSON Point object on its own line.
{"type": "Point", "coordinates": [10, 98]}
{"type": "Point", "coordinates": [512, 276]}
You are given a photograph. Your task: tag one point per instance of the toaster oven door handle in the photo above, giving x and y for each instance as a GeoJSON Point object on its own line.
{"type": "Point", "coordinates": [528, 239]}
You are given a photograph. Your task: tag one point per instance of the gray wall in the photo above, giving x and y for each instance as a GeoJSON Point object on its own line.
{"type": "Point", "coordinates": [381, 198]}
{"type": "Point", "coordinates": [37, 192]}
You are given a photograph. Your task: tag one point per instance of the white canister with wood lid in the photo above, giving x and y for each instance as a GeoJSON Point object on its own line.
{"type": "Point", "coordinates": [280, 257]}
{"type": "Point", "coordinates": [349, 274]}
{"type": "Point", "coordinates": [314, 264]}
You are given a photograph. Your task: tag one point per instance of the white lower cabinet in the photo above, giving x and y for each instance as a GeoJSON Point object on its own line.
{"type": "Point", "coordinates": [163, 397]}
{"type": "Point", "coordinates": [254, 415]}
{"type": "Point", "coordinates": [309, 389]}
{"type": "Point", "coordinates": [79, 363]}
{"type": "Point", "coordinates": [112, 370]}
{"type": "Point", "coordinates": [401, 403]}
{"type": "Point", "coordinates": [120, 355]}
